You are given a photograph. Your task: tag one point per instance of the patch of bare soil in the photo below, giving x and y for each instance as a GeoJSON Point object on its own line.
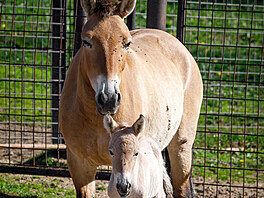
{"type": "Point", "coordinates": [20, 136]}
{"type": "Point", "coordinates": [211, 189]}
{"type": "Point", "coordinates": [27, 143]}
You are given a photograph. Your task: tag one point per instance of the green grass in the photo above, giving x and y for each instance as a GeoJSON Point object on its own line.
{"type": "Point", "coordinates": [32, 189]}
{"type": "Point", "coordinates": [101, 188]}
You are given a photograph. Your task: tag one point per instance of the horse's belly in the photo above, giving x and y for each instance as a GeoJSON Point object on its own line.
{"type": "Point", "coordinates": [165, 113]}
{"type": "Point", "coordinates": [164, 118]}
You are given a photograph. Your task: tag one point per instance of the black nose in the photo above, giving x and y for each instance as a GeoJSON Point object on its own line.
{"type": "Point", "coordinates": [123, 189]}
{"type": "Point", "coordinates": [102, 99]}
{"type": "Point", "coordinates": [108, 102]}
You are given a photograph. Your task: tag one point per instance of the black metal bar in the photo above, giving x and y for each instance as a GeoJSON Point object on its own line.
{"type": "Point", "coordinates": [131, 20]}
{"type": "Point", "coordinates": [63, 50]}
{"type": "Point", "coordinates": [80, 20]}
{"type": "Point", "coordinates": [55, 172]}
{"type": "Point", "coordinates": [34, 171]}
{"type": "Point", "coordinates": [55, 63]}
{"type": "Point", "coordinates": [102, 176]}
{"type": "Point", "coordinates": [156, 14]}
{"type": "Point", "coordinates": [58, 60]}
{"type": "Point", "coordinates": [180, 20]}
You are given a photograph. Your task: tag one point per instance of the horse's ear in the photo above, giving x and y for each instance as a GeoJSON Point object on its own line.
{"type": "Point", "coordinates": [139, 125]}
{"type": "Point", "coordinates": [126, 7]}
{"type": "Point", "coordinates": [109, 124]}
{"type": "Point", "coordinates": [88, 6]}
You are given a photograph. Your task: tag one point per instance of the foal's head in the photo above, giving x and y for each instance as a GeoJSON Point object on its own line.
{"type": "Point", "coordinates": [124, 151]}
{"type": "Point", "coordinates": [106, 40]}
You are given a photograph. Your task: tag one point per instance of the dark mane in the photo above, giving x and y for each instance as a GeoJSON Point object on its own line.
{"type": "Point", "coordinates": [106, 7]}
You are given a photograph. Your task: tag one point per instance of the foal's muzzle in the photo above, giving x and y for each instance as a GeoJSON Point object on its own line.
{"type": "Point", "coordinates": [123, 188]}
{"type": "Point", "coordinates": [108, 102]}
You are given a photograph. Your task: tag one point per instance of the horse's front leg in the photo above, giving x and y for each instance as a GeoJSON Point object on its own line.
{"type": "Point", "coordinates": [83, 175]}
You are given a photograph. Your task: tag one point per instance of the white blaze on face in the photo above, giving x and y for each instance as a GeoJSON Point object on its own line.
{"type": "Point", "coordinates": [107, 86]}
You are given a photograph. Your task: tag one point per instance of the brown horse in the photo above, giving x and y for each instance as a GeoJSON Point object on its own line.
{"type": "Point", "coordinates": [138, 169]}
{"type": "Point", "coordinates": [126, 73]}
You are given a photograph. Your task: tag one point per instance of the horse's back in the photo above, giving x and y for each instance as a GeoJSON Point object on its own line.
{"type": "Point", "coordinates": [160, 45]}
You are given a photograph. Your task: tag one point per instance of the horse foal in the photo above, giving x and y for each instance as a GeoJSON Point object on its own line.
{"type": "Point", "coordinates": [137, 166]}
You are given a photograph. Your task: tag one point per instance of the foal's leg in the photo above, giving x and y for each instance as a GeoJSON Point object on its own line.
{"type": "Point", "coordinates": [83, 175]}
{"type": "Point", "coordinates": [180, 148]}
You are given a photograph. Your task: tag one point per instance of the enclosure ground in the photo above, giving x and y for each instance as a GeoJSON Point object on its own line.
{"type": "Point", "coordinates": [63, 187]}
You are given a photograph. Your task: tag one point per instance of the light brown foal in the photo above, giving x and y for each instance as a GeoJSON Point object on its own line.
{"type": "Point", "coordinates": [137, 165]}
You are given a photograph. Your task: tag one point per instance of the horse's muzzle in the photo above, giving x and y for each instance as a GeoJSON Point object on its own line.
{"type": "Point", "coordinates": [123, 189]}
{"type": "Point", "coordinates": [108, 103]}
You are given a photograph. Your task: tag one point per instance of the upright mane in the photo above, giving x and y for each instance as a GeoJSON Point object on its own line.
{"type": "Point", "coordinates": [106, 7]}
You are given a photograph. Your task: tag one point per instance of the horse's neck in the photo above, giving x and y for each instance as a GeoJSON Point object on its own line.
{"type": "Point", "coordinates": [84, 93]}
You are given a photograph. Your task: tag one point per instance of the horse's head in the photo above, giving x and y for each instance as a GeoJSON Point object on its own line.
{"type": "Point", "coordinates": [124, 151]}
{"type": "Point", "coordinates": [106, 40]}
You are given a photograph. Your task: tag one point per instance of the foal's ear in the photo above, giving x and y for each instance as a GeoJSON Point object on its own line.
{"type": "Point", "coordinates": [88, 6]}
{"type": "Point", "coordinates": [126, 7]}
{"type": "Point", "coordinates": [109, 124]}
{"type": "Point", "coordinates": [139, 125]}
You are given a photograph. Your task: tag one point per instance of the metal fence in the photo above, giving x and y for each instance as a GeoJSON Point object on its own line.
{"type": "Point", "coordinates": [226, 38]}
{"type": "Point", "coordinates": [33, 60]}
{"type": "Point", "coordinates": [38, 40]}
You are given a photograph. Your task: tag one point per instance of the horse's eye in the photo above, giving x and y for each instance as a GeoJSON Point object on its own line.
{"type": "Point", "coordinates": [126, 45]}
{"type": "Point", "coordinates": [111, 153]}
{"type": "Point", "coordinates": [136, 154]}
{"type": "Point", "coordinates": [86, 44]}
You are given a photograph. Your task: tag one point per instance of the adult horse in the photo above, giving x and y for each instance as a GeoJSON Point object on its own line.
{"type": "Point", "coordinates": [127, 74]}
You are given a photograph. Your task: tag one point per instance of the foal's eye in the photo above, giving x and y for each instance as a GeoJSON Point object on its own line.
{"type": "Point", "coordinates": [111, 153]}
{"type": "Point", "coordinates": [86, 44]}
{"type": "Point", "coordinates": [136, 154]}
{"type": "Point", "coordinates": [126, 45]}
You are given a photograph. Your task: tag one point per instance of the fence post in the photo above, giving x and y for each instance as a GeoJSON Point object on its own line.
{"type": "Point", "coordinates": [80, 20]}
{"type": "Point", "coordinates": [131, 20]}
{"type": "Point", "coordinates": [156, 14]}
{"type": "Point", "coordinates": [58, 61]}
{"type": "Point", "coordinates": [181, 20]}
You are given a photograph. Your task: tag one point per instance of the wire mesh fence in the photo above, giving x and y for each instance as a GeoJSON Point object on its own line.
{"type": "Point", "coordinates": [226, 39]}
{"type": "Point", "coordinates": [37, 42]}
{"type": "Point", "coordinates": [33, 61]}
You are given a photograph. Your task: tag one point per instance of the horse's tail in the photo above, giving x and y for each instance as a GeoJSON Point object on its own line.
{"type": "Point", "coordinates": [168, 189]}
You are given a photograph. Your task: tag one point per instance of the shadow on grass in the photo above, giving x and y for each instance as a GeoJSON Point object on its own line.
{"type": "Point", "coordinates": [2, 195]}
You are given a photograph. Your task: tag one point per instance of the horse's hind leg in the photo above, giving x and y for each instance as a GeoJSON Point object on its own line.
{"type": "Point", "coordinates": [180, 153]}
{"type": "Point", "coordinates": [83, 175]}
{"type": "Point", "coordinates": [180, 148]}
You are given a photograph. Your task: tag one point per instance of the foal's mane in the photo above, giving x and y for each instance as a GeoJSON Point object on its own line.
{"type": "Point", "coordinates": [106, 7]}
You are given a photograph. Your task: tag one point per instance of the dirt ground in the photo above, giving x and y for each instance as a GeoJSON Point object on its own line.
{"type": "Point", "coordinates": [202, 188]}
{"type": "Point", "coordinates": [209, 191]}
